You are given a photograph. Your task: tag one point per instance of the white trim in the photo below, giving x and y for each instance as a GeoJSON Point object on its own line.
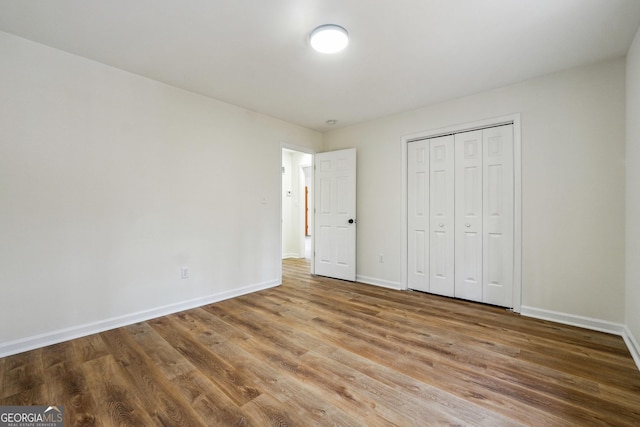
{"type": "Point", "coordinates": [404, 212]}
{"type": "Point", "coordinates": [404, 221]}
{"type": "Point", "coordinates": [61, 335]}
{"type": "Point", "coordinates": [517, 214]}
{"type": "Point", "coordinates": [632, 344]}
{"type": "Point", "coordinates": [573, 320]}
{"type": "Point", "coordinates": [517, 169]}
{"type": "Point", "coordinates": [463, 127]}
{"type": "Point", "coordinates": [588, 323]}
{"type": "Point", "coordinates": [379, 282]}
{"type": "Point", "coordinates": [291, 255]}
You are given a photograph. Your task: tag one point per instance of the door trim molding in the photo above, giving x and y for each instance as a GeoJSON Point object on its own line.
{"type": "Point", "coordinates": [517, 170]}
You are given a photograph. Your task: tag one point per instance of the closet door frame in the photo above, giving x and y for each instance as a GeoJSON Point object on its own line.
{"type": "Point", "coordinates": [517, 169]}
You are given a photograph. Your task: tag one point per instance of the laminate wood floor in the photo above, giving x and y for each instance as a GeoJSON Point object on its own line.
{"type": "Point", "coordinates": [317, 351]}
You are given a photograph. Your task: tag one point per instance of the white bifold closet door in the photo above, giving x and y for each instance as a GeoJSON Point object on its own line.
{"type": "Point", "coordinates": [469, 215]}
{"type": "Point", "coordinates": [418, 215]}
{"type": "Point", "coordinates": [441, 216]}
{"type": "Point", "coordinates": [461, 207]}
{"type": "Point", "coordinates": [498, 216]}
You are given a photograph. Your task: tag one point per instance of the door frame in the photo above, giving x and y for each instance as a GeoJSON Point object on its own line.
{"type": "Point", "coordinates": [306, 150]}
{"type": "Point", "coordinates": [517, 171]}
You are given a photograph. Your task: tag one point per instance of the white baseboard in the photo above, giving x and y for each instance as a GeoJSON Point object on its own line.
{"type": "Point", "coordinates": [291, 255]}
{"type": "Point", "coordinates": [573, 320]}
{"type": "Point", "coordinates": [632, 344]}
{"type": "Point", "coordinates": [378, 282]}
{"type": "Point", "coordinates": [588, 323]}
{"type": "Point", "coordinates": [61, 335]}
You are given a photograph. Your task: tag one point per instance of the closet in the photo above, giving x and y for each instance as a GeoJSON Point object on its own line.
{"type": "Point", "coordinates": [460, 209]}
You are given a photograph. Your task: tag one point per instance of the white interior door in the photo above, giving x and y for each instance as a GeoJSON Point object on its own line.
{"type": "Point", "coordinates": [335, 214]}
{"type": "Point", "coordinates": [441, 213]}
{"type": "Point", "coordinates": [468, 223]}
{"type": "Point", "coordinates": [418, 215]}
{"type": "Point", "coordinates": [498, 215]}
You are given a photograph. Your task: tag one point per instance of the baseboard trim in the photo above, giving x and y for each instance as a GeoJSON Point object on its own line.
{"type": "Point", "coordinates": [61, 335]}
{"type": "Point", "coordinates": [588, 323]}
{"type": "Point", "coordinates": [573, 320]}
{"type": "Point", "coordinates": [632, 344]}
{"type": "Point", "coordinates": [378, 282]}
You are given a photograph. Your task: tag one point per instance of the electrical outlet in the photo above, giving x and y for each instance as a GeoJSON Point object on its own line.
{"type": "Point", "coordinates": [184, 273]}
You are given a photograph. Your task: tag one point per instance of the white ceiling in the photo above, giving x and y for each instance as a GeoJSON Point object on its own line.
{"type": "Point", "coordinates": [403, 54]}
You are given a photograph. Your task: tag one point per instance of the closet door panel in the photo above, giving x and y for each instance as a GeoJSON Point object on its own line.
{"type": "Point", "coordinates": [441, 212]}
{"type": "Point", "coordinates": [498, 211]}
{"type": "Point", "coordinates": [418, 215]}
{"type": "Point", "coordinates": [468, 215]}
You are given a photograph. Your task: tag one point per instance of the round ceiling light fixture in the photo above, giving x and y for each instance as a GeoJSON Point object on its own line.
{"type": "Point", "coordinates": [329, 38]}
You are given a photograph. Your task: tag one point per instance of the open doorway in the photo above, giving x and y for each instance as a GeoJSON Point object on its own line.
{"type": "Point", "coordinates": [297, 204]}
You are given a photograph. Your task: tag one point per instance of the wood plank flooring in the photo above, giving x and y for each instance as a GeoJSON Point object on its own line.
{"type": "Point", "coordinates": [317, 351]}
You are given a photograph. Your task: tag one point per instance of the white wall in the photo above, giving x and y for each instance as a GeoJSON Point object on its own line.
{"type": "Point", "coordinates": [633, 194]}
{"type": "Point", "coordinates": [573, 185]}
{"type": "Point", "coordinates": [289, 217]}
{"type": "Point", "coordinates": [110, 182]}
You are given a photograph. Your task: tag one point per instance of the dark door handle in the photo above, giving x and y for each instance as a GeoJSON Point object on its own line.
{"type": "Point", "coordinates": [351, 221]}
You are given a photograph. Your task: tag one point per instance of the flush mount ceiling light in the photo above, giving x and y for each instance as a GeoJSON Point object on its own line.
{"type": "Point", "coordinates": [329, 38]}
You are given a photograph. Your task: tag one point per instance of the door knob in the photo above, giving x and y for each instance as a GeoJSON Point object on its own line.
{"type": "Point", "coordinates": [441, 225]}
{"type": "Point", "coordinates": [467, 225]}
{"type": "Point", "coordinates": [351, 220]}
